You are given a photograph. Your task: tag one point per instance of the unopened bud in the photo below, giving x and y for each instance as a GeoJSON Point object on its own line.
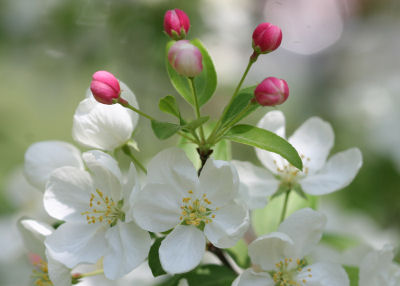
{"type": "Point", "coordinates": [266, 38]}
{"type": "Point", "coordinates": [185, 58]}
{"type": "Point", "coordinates": [176, 24]}
{"type": "Point", "coordinates": [272, 91]}
{"type": "Point", "coordinates": [105, 87]}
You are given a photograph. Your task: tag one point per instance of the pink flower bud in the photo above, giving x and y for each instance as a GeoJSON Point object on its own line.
{"type": "Point", "coordinates": [272, 91]}
{"type": "Point", "coordinates": [266, 38]}
{"type": "Point", "coordinates": [185, 58]}
{"type": "Point", "coordinates": [105, 87]}
{"type": "Point", "coordinates": [176, 24]}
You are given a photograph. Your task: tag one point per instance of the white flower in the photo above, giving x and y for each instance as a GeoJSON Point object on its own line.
{"type": "Point", "coordinates": [313, 141]}
{"type": "Point", "coordinates": [102, 126]}
{"type": "Point", "coordinates": [378, 268]}
{"type": "Point", "coordinates": [47, 270]}
{"type": "Point", "coordinates": [96, 208]}
{"type": "Point", "coordinates": [44, 157]}
{"type": "Point", "coordinates": [195, 208]}
{"type": "Point", "coordinates": [282, 255]}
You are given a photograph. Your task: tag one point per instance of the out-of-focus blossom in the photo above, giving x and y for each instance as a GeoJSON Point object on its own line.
{"type": "Point", "coordinates": [185, 58]}
{"type": "Point", "coordinates": [313, 141]}
{"type": "Point", "coordinates": [281, 255]}
{"type": "Point", "coordinates": [195, 208]}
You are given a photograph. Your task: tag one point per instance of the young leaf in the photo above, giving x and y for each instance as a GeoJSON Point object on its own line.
{"type": "Point", "coordinates": [193, 125]}
{"type": "Point", "coordinates": [164, 130]}
{"type": "Point", "coordinates": [154, 259]}
{"type": "Point", "coordinates": [205, 83]}
{"type": "Point", "coordinates": [168, 105]}
{"type": "Point", "coordinates": [263, 139]}
{"type": "Point", "coordinates": [241, 100]}
{"type": "Point", "coordinates": [352, 272]}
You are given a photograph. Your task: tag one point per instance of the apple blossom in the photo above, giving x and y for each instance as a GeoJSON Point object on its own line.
{"type": "Point", "coordinates": [282, 256]}
{"type": "Point", "coordinates": [96, 207]}
{"type": "Point", "coordinates": [105, 87]}
{"type": "Point", "coordinates": [266, 38]}
{"type": "Point", "coordinates": [271, 91]}
{"type": "Point", "coordinates": [313, 140]}
{"type": "Point", "coordinates": [176, 24]}
{"type": "Point", "coordinates": [195, 208]}
{"type": "Point", "coordinates": [185, 58]}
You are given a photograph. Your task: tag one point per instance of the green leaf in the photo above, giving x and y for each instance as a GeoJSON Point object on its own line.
{"type": "Point", "coordinates": [154, 259]}
{"type": "Point", "coordinates": [241, 100]}
{"type": "Point", "coordinates": [204, 275]}
{"type": "Point", "coordinates": [205, 83]}
{"type": "Point", "coordinates": [222, 151]}
{"type": "Point", "coordinates": [353, 273]}
{"type": "Point", "coordinates": [164, 130]}
{"type": "Point", "coordinates": [194, 124]}
{"type": "Point", "coordinates": [339, 241]}
{"type": "Point", "coordinates": [266, 140]}
{"type": "Point", "coordinates": [168, 105]}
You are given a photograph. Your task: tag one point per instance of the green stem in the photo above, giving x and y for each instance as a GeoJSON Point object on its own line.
{"type": "Point", "coordinates": [252, 60]}
{"type": "Point", "coordinates": [93, 273]}
{"type": "Point", "coordinates": [197, 108]}
{"type": "Point", "coordinates": [126, 104]}
{"type": "Point", "coordinates": [128, 152]}
{"type": "Point", "coordinates": [285, 203]}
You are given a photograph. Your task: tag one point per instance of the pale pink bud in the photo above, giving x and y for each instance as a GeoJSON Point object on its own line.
{"type": "Point", "coordinates": [185, 58]}
{"type": "Point", "coordinates": [35, 259]}
{"type": "Point", "coordinates": [105, 87]}
{"type": "Point", "coordinates": [176, 24]}
{"type": "Point", "coordinates": [266, 38]}
{"type": "Point", "coordinates": [272, 91]}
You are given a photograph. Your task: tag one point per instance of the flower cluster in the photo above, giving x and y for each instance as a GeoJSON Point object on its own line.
{"type": "Point", "coordinates": [114, 219]}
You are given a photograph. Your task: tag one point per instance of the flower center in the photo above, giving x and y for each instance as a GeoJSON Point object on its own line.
{"type": "Point", "coordinates": [196, 211]}
{"type": "Point", "coordinates": [104, 209]}
{"type": "Point", "coordinates": [40, 273]}
{"type": "Point", "coordinates": [290, 173]}
{"type": "Point", "coordinates": [287, 272]}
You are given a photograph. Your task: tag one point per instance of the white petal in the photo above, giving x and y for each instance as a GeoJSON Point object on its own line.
{"type": "Point", "coordinates": [59, 274]}
{"type": "Point", "coordinates": [228, 226]}
{"type": "Point", "coordinates": [157, 207]}
{"type": "Point", "coordinates": [219, 181]}
{"type": "Point", "coordinates": [377, 268]}
{"type": "Point", "coordinates": [270, 249]}
{"type": "Point", "coordinates": [131, 189]}
{"type": "Point", "coordinates": [273, 121]}
{"type": "Point", "coordinates": [182, 250]}
{"type": "Point", "coordinates": [101, 126]}
{"type": "Point", "coordinates": [105, 173]}
{"type": "Point", "coordinates": [256, 184]}
{"type": "Point", "coordinates": [42, 158]}
{"type": "Point", "coordinates": [251, 278]}
{"type": "Point", "coordinates": [74, 243]}
{"type": "Point", "coordinates": [34, 233]}
{"type": "Point", "coordinates": [313, 140]}
{"type": "Point", "coordinates": [171, 166]}
{"type": "Point", "coordinates": [183, 282]}
{"type": "Point", "coordinates": [305, 228]}
{"type": "Point", "coordinates": [68, 194]}
{"type": "Point", "coordinates": [128, 248]}
{"type": "Point", "coordinates": [338, 172]}
{"type": "Point", "coordinates": [128, 95]}
{"type": "Point", "coordinates": [324, 274]}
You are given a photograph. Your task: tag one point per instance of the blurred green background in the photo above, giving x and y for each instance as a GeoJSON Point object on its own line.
{"type": "Point", "coordinates": [50, 49]}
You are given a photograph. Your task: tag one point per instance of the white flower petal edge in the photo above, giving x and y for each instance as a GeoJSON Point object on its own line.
{"type": "Point", "coordinates": [338, 173]}
{"type": "Point", "coordinates": [74, 243]}
{"type": "Point", "coordinates": [256, 184]}
{"type": "Point", "coordinates": [182, 249]}
{"type": "Point", "coordinates": [42, 158]}
{"type": "Point", "coordinates": [128, 248]}
{"type": "Point", "coordinates": [251, 278]}
{"type": "Point", "coordinates": [101, 126]}
{"type": "Point", "coordinates": [305, 228]}
{"type": "Point", "coordinates": [273, 121]}
{"type": "Point", "coordinates": [58, 273]}
{"type": "Point", "coordinates": [378, 268]}
{"type": "Point", "coordinates": [325, 274]}
{"type": "Point", "coordinates": [34, 233]}
{"type": "Point", "coordinates": [313, 140]}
